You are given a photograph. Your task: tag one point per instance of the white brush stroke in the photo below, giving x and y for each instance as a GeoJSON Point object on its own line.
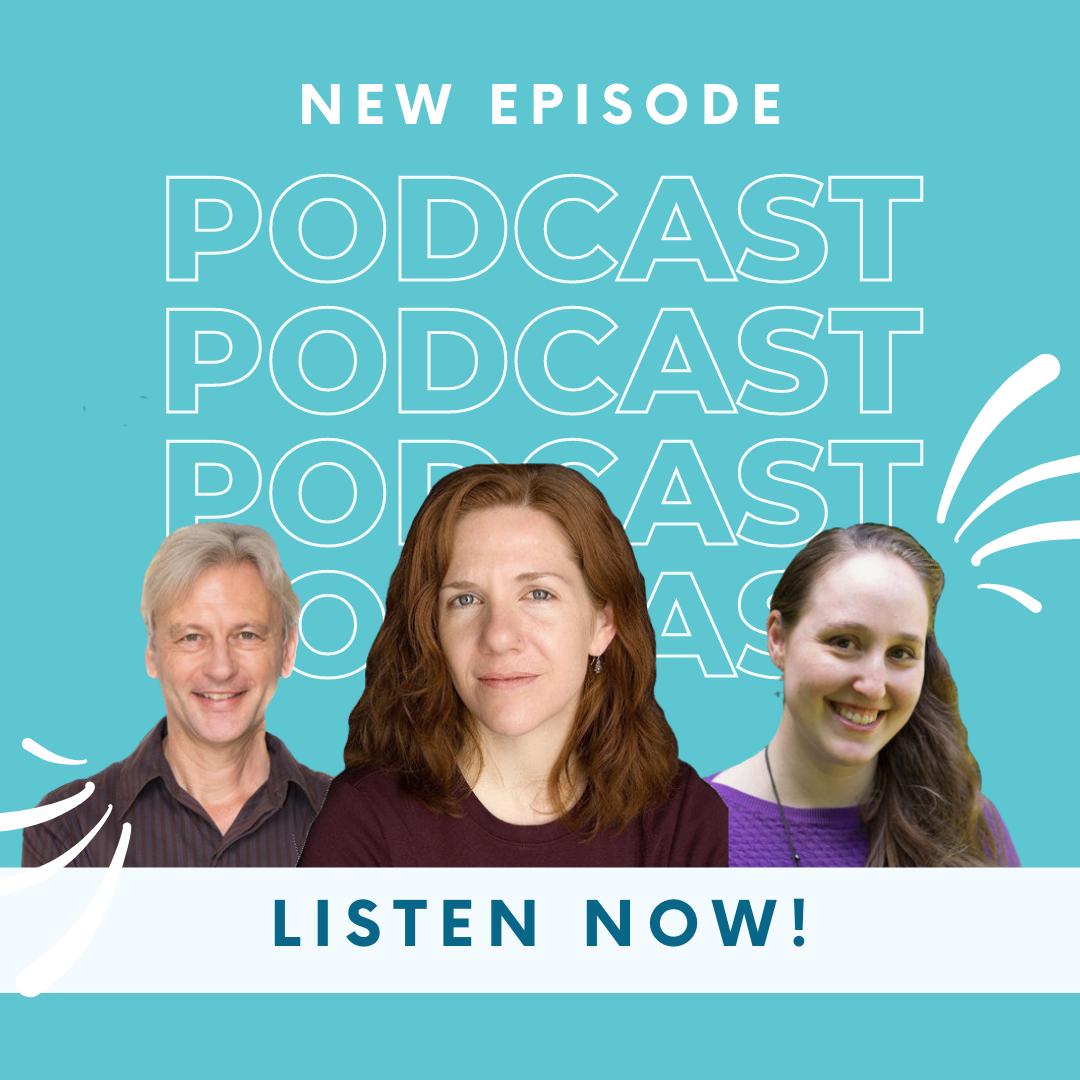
{"type": "Point", "coordinates": [47, 968]}
{"type": "Point", "coordinates": [1017, 594]}
{"type": "Point", "coordinates": [1047, 471]}
{"type": "Point", "coordinates": [38, 874]}
{"type": "Point", "coordinates": [22, 819]}
{"type": "Point", "coordinates": [1033, 534]}
{"type": "Point", "coordinates": [35, 748]}
{"type": "Point", "coordinates": [1015, 390]}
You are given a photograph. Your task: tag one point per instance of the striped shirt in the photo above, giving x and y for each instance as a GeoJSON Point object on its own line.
{"type": "Point", "coordinates": [169, 827]}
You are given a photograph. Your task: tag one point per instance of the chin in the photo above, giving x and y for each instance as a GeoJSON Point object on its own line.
{"type": "Point", "coordinates": [509, 727]}
{"type": "Point", "coordinates": [854, 753]}
{"type": "Point", "coordinates": [515, 723]}
{"type": "Point", "coordinates": [219, 730]}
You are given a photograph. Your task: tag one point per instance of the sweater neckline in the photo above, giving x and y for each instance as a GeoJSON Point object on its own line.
{"type": "Point", "coordinates": [507, 831]}
{"type": "Point", "coordinates": [483, 818]}
{"type": "Point", "coordinates": [818, 815]}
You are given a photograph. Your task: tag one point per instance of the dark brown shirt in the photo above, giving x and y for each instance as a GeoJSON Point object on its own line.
{"type": "Point", "coordinates": [368, 821]}
{"type": "Point", "coordinates": [169, 827]}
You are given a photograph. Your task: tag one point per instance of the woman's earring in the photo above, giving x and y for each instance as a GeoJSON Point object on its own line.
{"type": "Point", "coordinates": [596, 665]}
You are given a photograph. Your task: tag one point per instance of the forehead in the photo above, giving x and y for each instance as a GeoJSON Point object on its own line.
{"type": "Point", "coordinates": [871, 588]}
{"type": "Point", "coordinates": [509, 537]}
{"type": "Point", "coordinates": [233, 589]}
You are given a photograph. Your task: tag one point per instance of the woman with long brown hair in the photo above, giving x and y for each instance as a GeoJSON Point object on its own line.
{"type": "Point", "coordinates": [509, 717]}
{"type": "Point", "coordinates": [870, 765]}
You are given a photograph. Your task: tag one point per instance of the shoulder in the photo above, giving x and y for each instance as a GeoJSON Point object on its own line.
{"type": "Point", "coordinates": [375, 790]}
{"type": "Point", "coordinates": [371, 782]}
{"type": "Point", "coordinates": [746, 777]}
{"type": "Point", "coordinates": [105, 784]}
{"type": "Point", "coordinates": [52, 837]}
{"type": "Point", "coordinates": [1003, 845]}
{"type": "Point", "coordinates": [692, 826]}
{"type": "Point", "coordinates": [365, 821]}
{"type": "Point", "coordinates": [697, 796]}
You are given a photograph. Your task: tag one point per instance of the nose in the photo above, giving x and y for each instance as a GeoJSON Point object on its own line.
{"type": "Point", "coordinates": [501, 630]}
{"type": "Point", "coordinates": [220, 664]}
{"type": "Point", "coordinates": [870, 679]}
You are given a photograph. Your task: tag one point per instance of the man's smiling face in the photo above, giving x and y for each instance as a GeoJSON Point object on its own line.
{"type": "Point", "coordinates": [218, 652]}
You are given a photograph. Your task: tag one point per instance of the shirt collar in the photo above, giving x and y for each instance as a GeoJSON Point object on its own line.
{"type": "Point", "coordinates": [146, 763]}
{"type": "Point", "coordinates": [285, 769]}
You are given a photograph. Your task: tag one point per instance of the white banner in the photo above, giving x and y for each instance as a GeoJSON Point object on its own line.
{"type": "Point", "coordinates": [386, 931]}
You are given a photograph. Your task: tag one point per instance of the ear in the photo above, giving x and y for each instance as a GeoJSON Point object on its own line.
{"type": "Point", "coordinates": [775, 631]}
{"type": "Point", "coordinates": [151, 660]}
{"type": "Point", "coordinates": [288, 657]}
{"type": "Point", "coordinates": [605, 630]}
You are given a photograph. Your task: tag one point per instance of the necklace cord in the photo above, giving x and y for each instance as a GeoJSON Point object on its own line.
{"type": "Point", "coordinates": [780, 807]}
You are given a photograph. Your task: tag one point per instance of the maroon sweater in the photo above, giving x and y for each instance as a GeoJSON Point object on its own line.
{"type": "Point", "coordinates": [367, 821]}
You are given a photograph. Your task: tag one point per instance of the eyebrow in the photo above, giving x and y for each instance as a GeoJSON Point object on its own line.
{"type": "Point", "coordinates": [187, 628]}
{"type": "Point", "coordinates": [528, 575]}
{"type": "Point", "coordinates": [903, 635]}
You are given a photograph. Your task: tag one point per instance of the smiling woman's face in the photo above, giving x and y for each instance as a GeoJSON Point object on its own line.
{"type": "Point", "coordinates": [517, 623]}
{"type": "Point", "coordinates": [853, 664]}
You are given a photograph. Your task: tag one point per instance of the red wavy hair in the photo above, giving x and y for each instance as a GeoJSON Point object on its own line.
{"type": "Point", "coordinates": [410, 719]}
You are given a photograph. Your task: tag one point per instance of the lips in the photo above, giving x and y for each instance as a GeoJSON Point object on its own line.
{"type": "Point", "coordinates": [218, 697]}
{"type": "Point", "coordinates": [506, 680]}
{"type": "Point", "coordinates": [854, 716]}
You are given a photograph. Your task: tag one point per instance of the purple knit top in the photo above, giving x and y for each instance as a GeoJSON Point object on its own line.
{"type": "Point", "coordinates": [832, 836]}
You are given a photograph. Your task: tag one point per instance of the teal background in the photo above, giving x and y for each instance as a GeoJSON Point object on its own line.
{"type": "Point", "coordinates": [543, 1036]}
{"type": "Point", "coordinates": [108, 100]}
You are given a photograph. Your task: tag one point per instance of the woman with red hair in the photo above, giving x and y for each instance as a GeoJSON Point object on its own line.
{"type": "Point", "coordinates": [509, 717]}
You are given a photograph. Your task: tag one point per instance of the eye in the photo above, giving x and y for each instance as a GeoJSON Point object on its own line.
{"type": "Point", "coordinates": [843, 641]}
{"type": "Point", "coordinates": [189, 639]}
{"type": "Point", "coordinates": [464, 600]}
{"type": "Point", "coordinates": [539, 594]}
{"type": "Point", "coordinates": [903, 652]}
{"type": "Point", "coordinates": [248, 635]}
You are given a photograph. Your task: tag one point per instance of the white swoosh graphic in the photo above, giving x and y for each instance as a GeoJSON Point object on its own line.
{"type": "Point", "coordinates": [22, 819]}
{"type": "Point", "coordinates": [1017, 594]}
{"type": "Point", "coordinates": [35, 875]}
{"type": "Point", "coordinates": [1047, 471]}
{"type": "Point", "coordinates": [1033, 534]}
{"type": "Point", "coordinates": [46, 969]}
{"type": "Point", "coordinates": [38, 750]}
{"type": "Point", "coordinates": [1014, 391]}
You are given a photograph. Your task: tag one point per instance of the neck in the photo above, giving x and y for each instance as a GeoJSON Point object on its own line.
{"type": "Point", "coordinates": [804, 779]}
{"type": "Point", "coordinates": [221, 778]}
{"type": "Point", "coordinates": [509, 774]}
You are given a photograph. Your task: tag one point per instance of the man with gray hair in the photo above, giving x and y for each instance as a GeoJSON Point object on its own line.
{"type": "Point", "coordinates": [208, 786]}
